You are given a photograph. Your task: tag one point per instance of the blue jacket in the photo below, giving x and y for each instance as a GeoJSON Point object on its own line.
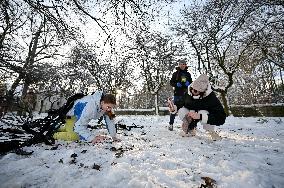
{"type": "Point", "coordinates": [86, 109]}
{"type": "Point", "coordinates": [181, 76]}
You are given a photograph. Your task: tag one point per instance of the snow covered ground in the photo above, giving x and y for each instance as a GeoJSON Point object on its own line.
{"type": "Point", "coordinates": [251, 154]}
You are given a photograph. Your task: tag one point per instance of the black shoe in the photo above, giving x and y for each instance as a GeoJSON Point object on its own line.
{"type": "Point", "coordinates": [171, 127]}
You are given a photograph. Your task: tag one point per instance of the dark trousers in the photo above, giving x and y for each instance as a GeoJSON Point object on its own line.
{"type": "Point", "coordinates": [172, 118]}
{"type": "Point", "coordinates": [192, 125]}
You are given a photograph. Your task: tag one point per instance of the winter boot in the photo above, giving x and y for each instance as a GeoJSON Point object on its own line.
{"type": "Point", "coordinates": [214, 136]}
{"type": "Point", "coordinates": [190, 133]}
{"type": "Point", "coordinates": [186, 122]}
{"type": "Point", "coordinates": [186, 126]}
{"type": "Point", "coordinates": [210, 129]}
{"type": "Point", "coordinates": [184, 131]}
{"type": "Point", "coordinates": [171, 127]}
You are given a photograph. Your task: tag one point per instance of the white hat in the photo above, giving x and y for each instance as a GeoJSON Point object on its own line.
{"type": "Point", "coordinates": [201, 83]}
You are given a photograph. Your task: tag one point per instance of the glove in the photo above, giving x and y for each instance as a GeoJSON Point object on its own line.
{"type": "Point", "coordinates": [187, 83]}
{"type": "Point", "coordinates": [179, 84]}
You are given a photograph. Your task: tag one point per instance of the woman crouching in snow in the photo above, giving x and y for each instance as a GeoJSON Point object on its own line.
{"type": "Point", "coordinates": [83, 111]}
{"type": "Point", "coordinates": [201, 104]}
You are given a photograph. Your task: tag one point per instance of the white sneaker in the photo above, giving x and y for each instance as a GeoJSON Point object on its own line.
{"type": "Point", "coordinates": [215, 136]}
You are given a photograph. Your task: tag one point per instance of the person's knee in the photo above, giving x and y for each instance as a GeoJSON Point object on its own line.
{"type": "Point", "coordinates": [182, 112]}
{"type": "Point", "coordinates": [68, 126]}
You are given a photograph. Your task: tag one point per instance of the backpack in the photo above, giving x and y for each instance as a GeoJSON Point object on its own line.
{"type": "Point", "coordinates": [42, 130]}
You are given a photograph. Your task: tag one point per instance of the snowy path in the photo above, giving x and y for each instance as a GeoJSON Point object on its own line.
{"type": "Point", "coordinates": [250, 155]}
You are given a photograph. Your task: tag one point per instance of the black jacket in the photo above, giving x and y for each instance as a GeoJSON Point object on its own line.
{"type": "Point", "coordinates": [180, 76]}
{"type": "Point", "coordinates": [209, 103]}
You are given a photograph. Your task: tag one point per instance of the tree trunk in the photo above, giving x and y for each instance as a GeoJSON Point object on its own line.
{"type": "Point", "coordinates": [280, 71]}
{"type": "Point", "coordinates": [156, 104]}
{"type": "Point", "coordinates": [15, 84]}
{"type": "Point", "coordinates": [225, 102]}
{"type": "Point", "coordinates": [25, 89]}
{"type": "Point", "coordinates": [41, 106]}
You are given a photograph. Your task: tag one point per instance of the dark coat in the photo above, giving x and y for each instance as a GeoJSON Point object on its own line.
{"type": "Point", "coordinates": [180, 76]}
{"type": "Point", "coordinates": [209, 103]}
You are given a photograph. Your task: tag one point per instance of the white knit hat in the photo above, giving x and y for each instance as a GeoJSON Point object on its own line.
{"type": "Point", "coordinates": [201, 83]}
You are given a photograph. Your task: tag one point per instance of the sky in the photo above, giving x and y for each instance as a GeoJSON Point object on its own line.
{"type": "Point", "coordinates": [94, 34]}
{"type": "Point", "coordinates": [167, 13]}
{"type": "Point", "coordinates": [250, 155]}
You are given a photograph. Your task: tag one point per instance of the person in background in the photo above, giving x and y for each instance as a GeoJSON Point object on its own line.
{"type": "Point", "coordinates": [201, 105]}
{"type": "Point", "coordinates": [83, 111]}
{"type": "Point", "coordinates": [180, 81]}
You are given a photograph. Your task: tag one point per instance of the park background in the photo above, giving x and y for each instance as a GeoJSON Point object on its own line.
{"type": "Point", "coordinates": [50, 50]}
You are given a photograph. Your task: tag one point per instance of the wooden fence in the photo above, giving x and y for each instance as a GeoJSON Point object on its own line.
{"type": "Point", "coordinates": [237, 111]}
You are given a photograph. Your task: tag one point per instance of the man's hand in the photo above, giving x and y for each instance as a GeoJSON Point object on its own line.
{"type": "Point", "coordinates": [179, 84]}
{"type": "Point", "coordinates": [187, 83]}
{"type": "Point", "coordinates": [172, 106]}
{"type": "Point", "coordinates": [99, 139]}
{"type": "Point", "coordinates": [194, 115]}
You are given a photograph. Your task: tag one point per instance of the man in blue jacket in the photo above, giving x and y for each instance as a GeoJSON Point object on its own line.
{"type": "Point", "coordinates": [180, 81]}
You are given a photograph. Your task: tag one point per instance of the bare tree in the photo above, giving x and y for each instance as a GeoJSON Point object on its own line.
{"type": "Point", "coordinates": [218, 33]}
{"type": "Point", "coordinates": [30, 39]}
{"type": "Point", "coordinates": [106, 74]}
{"type": "Point", "coordinates": [157, 56]}
{"type": "Point", "coordinates": [264, 56]}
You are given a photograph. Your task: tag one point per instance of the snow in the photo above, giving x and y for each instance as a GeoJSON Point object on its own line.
{"type": "Point", "coordinates": [250, 154]}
